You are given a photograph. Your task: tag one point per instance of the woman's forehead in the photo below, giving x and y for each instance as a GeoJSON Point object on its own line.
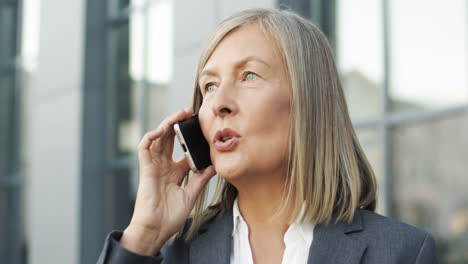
{"type": "Point", "coordinates": [246, 42]}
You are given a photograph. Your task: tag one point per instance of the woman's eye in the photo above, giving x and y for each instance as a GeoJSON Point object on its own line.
{"type": "Point", "coordinates": [250, 76]}
{"type": "Point", "coordinates": [210, 87]}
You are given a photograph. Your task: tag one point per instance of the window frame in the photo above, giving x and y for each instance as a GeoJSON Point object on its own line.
{"type": "Point", "coordinates": [11, 180]}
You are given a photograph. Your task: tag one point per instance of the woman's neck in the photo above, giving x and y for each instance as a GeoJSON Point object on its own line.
{"type": "Point", "coordinates": [259, 200]}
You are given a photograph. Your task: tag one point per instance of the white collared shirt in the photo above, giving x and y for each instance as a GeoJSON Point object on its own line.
{"type": "Point", "coordinates": [297, 241]}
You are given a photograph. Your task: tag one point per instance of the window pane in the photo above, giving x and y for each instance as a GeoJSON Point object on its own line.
{"type": "Point", "coordinates": [428, 54]}
{"type": "Point", "coordinates": [122, 95]}
{"type": "Point", "coordinates": [302, 7]}
{"type": "Point", "coordinates": [12, 244]}
{"type": "Point", "coordinates": [141, 70]}
{"type": "Point", "coordinates": [159, 60]}
{"type": "Point", "coordinates": [8, 32]}
{"type": "Point", "coordinates": [159, 42]}
{"type": "Point", "coordinates": [10, 197]}
{"type": "Point", "coordinates": [360, 56]}
{"type": "Point", "coordinates": [372, 146]}
{"type": "Point", "coordinates": [137, 44]}
{"type": "Point", "coordinates": [430, 181]}
{"type": "Point", "coordinates": [116, 6]}
{"type": "Point", "coordinates": [4, 235]}
{"type": "Point", "coordinates": [120, 195]}
{"type": "Point", "coordinates": [156, 104]}
{"type": "Point", "coordinates": [8, 132]}
{"type": "Point", "coordinates": [12, 241]}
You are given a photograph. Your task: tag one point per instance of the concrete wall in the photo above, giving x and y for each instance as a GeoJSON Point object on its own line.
{"type": "Point", "coordinates": [54, 124]}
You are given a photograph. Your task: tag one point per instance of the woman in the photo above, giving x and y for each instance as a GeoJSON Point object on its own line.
{"type": "Point", "coordinates": [294, 183]}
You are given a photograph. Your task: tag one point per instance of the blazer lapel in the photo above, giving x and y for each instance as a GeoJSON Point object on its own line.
{"type": "Point", "coordinates": [214, 245]}
{"type": "Point", "coordinates": [331, 243]}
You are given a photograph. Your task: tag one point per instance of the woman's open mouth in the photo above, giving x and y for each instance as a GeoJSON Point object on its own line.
{"type": "Point", "coordinates": [226, 144]}
{"type": "Point", "coordinates": [226, 140]}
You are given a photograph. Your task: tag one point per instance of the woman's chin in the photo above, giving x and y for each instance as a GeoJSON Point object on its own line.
{"type": "Point", "coordinates": [228, 172]}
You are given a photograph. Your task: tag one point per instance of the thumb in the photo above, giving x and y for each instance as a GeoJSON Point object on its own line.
{"type": "Point", "coordinates": [198, 181]}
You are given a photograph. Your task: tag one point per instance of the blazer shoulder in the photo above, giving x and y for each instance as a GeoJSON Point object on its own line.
{"type": "Point", "coordinates": [177, 251]}
{"type": "Point", "coordinates": [375, 222]}
{"type": "Point", "coordinates": [395, 237]}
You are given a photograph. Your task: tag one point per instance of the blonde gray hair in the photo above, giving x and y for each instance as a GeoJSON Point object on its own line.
{"type": "Point", "coordinates": [328, 172]}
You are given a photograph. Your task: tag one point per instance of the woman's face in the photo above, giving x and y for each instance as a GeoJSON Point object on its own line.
{"type": "Point", "coordinates": [245, 112]}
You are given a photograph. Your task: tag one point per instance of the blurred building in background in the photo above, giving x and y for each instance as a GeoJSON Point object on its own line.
{"type": "Point", "coordinates": [82, 80]}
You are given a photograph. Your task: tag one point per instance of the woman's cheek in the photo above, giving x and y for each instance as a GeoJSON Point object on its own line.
{"type": "Point", "coordinates": [203, 118]}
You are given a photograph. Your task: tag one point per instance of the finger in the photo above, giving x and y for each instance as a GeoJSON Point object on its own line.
{"type": "Point", "coordinates": [184, 168]}
{"type": "Point", "coordinates": [169, 122]}
{"type": "Point", "coordinates": [183, 164]}
{"type": "Point", "coordinates": [149, 137]}
{"type": "Point", "coordinates": [198, 181]}
{"type": "Point", "coordinates": [144, 154]}
{"type": "Point", "coordinates": [165, 144]}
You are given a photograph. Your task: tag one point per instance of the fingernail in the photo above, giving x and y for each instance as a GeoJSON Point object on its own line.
{"type": "Point", "coordinates": [187, 109]}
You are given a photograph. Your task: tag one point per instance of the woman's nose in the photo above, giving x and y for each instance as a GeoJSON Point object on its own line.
{"type": "Point", "coordinates": [225, 101]}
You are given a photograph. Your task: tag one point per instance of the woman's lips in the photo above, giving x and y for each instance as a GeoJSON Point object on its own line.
{"type": "Point", "coordinates": [227, 145]}
{"type": "Point", "coordinates": [227, 132]}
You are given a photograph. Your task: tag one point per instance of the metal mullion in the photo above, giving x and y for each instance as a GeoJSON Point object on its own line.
{"type": "Point", "coordinates": [114, 166]}
{"type": "Point", "coordinates": [13, 180]}
{"type": "Point", "coordinates": [384, 127]}
{"type": "Point", "coordinates": [123, 17]}
{"type": "Point", "coordinates": [6, 71]}
{"type": "Point", "coordinates": [8, 67]}
{"type": "Point", "coordinates": [373, 123]}
{"type": "Point", "coordinates": [140, 88]}
{"type": "Point", "coordinates": [328, 21]}
{"type": "Point", "coordinates": [16, 230]}
{"type": "Point", "coordinates": [144, 87]}
{"type": "Point", "coordinates": [93, 155]}
{"type": "Point", "coordinates": [110, 93]}
{"type": "Point", "coordinates": [14, 63]}
{"type": "Point", "coordinates": [124, 14]}
{"type": "Point", "coordinates": [402, 118]}
{"type": "Point", "coordinates": [10, 64]}
{"type": "Point", "coordinates": [14, 194]}
{"type": "Point", "coordinates": [394, 119]}
{"type": "Point", "coordinates": [8, 2]}
{"type": "Point", "coordinates": [112, 43]}
{"type": "Point", "coordinates": [17, 95]}
{"type": "Point", "coordinates": [141, 85]}
{"type": "Point", "coordinates": [127, 162]}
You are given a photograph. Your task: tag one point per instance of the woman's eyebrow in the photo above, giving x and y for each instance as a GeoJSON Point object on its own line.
{"type": "Point", "coordinates": [237, 65]}
{"type": "Point", "coordinates": [248, 59]}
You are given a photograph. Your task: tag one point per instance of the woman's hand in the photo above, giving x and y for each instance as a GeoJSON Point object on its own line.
{"type": "Point", "coordinates": [162, 206]}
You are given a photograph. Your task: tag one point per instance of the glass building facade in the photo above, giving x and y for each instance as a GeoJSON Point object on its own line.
{"type": "Point", "coordinates": [12, 241]}
{"type": "Point", "coordinates": [404, 70]}
{"type": "Point", "coordinates": [403, 65]}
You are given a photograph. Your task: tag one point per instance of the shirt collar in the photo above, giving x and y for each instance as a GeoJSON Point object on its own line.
{"type": "Point", "coordinates": [305, 231]}
{"type": "Point", "coordinates": [237, 217]}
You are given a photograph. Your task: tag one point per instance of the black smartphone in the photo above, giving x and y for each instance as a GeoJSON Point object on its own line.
{"type": "Point", "coordinates": [196, 148]}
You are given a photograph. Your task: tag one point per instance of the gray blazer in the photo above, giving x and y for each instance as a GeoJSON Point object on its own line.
{"type": "Point", "coordinates": [369, 238]}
